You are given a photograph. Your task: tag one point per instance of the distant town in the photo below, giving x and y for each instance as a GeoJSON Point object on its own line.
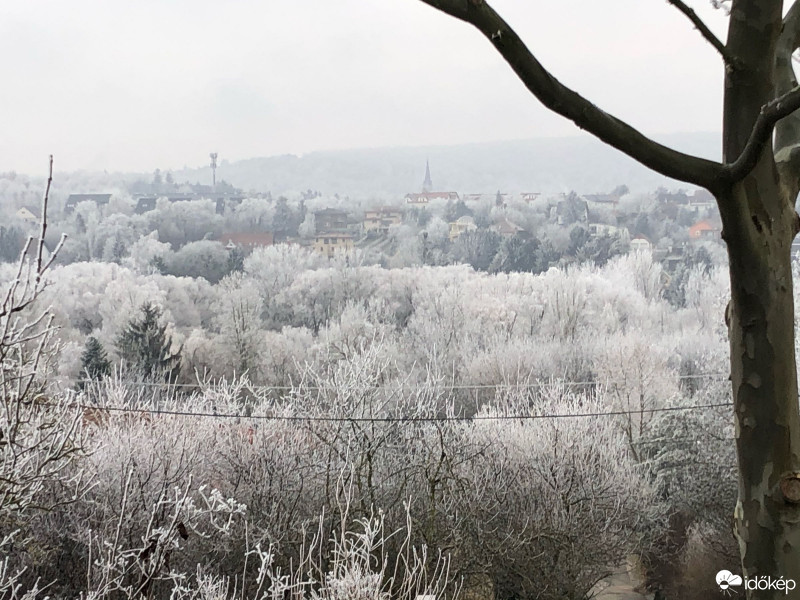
{"type": "Point", "coordinates": [502, 231]}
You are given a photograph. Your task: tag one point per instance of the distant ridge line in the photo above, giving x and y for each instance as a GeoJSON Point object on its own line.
{"type": "Point", "coordinates": [546, 165]}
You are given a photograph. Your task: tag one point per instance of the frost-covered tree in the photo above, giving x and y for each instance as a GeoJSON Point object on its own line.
{"type": "Point", "coordinates": [274, 269]}
{"type": "Point", "coordinates": [94, 361]}
{"type": "Point", "coordinates": [577, 504]}
{"type": "Point", "coordinates": [147, 254]}
{"type": "Point", "coordinates": [252, 214]}
{"type": "Point", "coordinates": [308, 227]}
{"type": "Point", "coordinates": [519, 254]}
{"type": "Point", "coordinates": [476, 248]}
{"type": "Point", "coordinates": [238, 317]}
{"type": "Point", "coordinates": [235, 260]}
{"type": "Point", "coordinates": [179, 223]}
{"type": "Point", "coordinates": [204, 258]}
{"type": "Point", "coordinates": [409, 247]}
{"type": "Point", "coordinates": [146, 346]}
{"type": "Point", "coordinates": [87, 224]}
{"type": "Point", "coordinates": [692, 461]}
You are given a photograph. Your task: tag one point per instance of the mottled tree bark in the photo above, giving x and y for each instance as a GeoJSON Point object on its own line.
{"type": "Point", "coordinates": [755, 186]}
{"type": "Point", "coordinates": [759, 224]}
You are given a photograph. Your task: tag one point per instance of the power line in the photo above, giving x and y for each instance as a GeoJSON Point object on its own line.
{"type": "Point", "coordinates": [667, 440]}
{"type": "Point", "coordinates": [434, 386]}
{"type": "Point", "coordinates": [329, 419]}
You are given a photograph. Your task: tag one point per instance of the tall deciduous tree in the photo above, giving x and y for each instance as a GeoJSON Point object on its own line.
{"type": "Point", "coordinates": [238, 316]}
{"type": "Point", "coordinates": [755, 186]}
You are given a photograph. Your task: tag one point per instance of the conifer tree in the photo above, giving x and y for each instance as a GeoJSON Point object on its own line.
{"type": "Point", "coordinates": [11, 242]}
{"type": "Point", "coordinates": [94, 362]}
{"type": "Point", "coordinates": [235, 260]}
{"type": "Point", "coordinates": [146, 346]}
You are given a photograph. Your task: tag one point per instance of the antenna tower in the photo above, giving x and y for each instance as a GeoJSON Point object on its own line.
{"type": "Point", "coordinates": [213, 156]}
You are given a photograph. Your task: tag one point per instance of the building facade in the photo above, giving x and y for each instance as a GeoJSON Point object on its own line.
{"type": "Point", "coordinates": [380, 219]}
{"type": "Point", "coordinates": [330, 219]}
{"type": "Point", "coordinates": [331, 242]}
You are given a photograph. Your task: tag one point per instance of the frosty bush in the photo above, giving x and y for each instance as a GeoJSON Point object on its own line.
{"type": "Point", "coordinates": [554, 503]}
{"type": "Point", "coordinates": [40, 435]}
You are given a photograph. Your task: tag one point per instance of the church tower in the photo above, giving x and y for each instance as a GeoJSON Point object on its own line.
{"type": "Point", "coordinates": [427, 185]}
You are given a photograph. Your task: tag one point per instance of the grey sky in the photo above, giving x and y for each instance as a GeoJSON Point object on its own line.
{"type": "Point", "coordinates": [106, 84]}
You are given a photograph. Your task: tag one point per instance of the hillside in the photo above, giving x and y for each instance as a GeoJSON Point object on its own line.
{"type": "Point", "coordinates": [547, 165]}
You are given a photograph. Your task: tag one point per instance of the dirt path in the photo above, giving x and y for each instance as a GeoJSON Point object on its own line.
{"type": "Point", "coordinates": [619, 587]}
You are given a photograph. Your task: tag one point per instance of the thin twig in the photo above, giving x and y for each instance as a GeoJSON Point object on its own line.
{"type": "Point", "coordinates": [730, 60]}
{"type": "Point", "coordinates": [45, 199]}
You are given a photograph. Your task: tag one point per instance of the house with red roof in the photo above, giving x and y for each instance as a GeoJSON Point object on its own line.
{"type": "Point", "coordinates": [703, 230]}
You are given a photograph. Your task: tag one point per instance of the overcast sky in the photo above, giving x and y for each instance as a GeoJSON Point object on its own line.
{"type": "Point", "coordinates": [107, 84]}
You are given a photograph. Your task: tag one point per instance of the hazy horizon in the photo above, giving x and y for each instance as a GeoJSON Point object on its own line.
{"type": "Point", "coordinates": [127, 88]}
{"type": "Point", "coordinates": [223, 161]}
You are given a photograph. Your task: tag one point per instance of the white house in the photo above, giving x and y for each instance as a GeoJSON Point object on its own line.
{"type": "Point", "coordinates": [28, 214]}
{"type": "Point", "coordinates": [641, 244]}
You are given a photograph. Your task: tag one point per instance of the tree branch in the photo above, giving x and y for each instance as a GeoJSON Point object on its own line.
{"type": "Point", "coordinates": [787, 131]}
{"type": "Point", "coordinates": [568, 103]}
{"type": "Point", "coordinates": [40, 248]}
{"type": "Point", "coordinates": [709, 36]}
{"type": "Point", "coordinates": [771, 113]}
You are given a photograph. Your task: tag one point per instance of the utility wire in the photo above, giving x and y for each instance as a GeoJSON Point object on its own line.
{"type": "Point", "coordinates": [466, 386]}
{"type": "Point", "coordinates": [667, 440]}
{"type": "Point", "coordinates": [327, 419]}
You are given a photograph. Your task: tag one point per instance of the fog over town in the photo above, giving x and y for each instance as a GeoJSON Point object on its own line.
{"type": "Point", "coordinates": [315, 301]}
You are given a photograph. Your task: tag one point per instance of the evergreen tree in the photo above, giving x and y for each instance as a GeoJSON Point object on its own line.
{"type": "Point", "coordinates": [80, 224]}
{"type": "Point", "coordinates": [578, 238]}
{"type": "Point", "coordinates": [282, 219]}
{"type": "Point", "coordinates": [12, 240]}
{"type": "Point", "coordinates": [235, 260]}
{"type": "Point", "coordinates": [675, 292]}
{"type": "Point", "coordinates": [455, 210]}
{"type": "Point", "coordinates": [146, 346]}
{"type": "Point", "coordinates": [159, 264]}
{"type": "Point", "coordinates": [421, 215]}
{"type": "Point", "coordinates": [519, 255]}
{"type": "Point", "coordinates": [94, 362]}
{"type": "Point", "coordinates": [118, 251]}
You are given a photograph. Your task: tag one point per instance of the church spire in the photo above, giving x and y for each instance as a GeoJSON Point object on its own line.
{"type": "Point", "coordinates": [427, 185]}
